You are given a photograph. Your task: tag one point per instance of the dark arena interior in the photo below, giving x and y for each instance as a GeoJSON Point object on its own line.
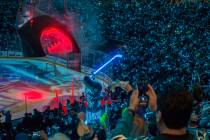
{"type": "Point", "coordinates": [104, 70]}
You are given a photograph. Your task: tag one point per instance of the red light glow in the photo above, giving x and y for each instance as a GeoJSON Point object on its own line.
{"type": "Point", "coordinates": [31, 95]}
{"type": "Point", "coordinates": [55, 41]}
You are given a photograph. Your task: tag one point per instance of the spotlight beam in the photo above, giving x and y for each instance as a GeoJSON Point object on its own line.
{"type": "Point", "coordinates": [113, 58]}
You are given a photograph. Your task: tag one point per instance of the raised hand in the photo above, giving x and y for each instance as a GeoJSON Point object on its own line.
{"type": "Point", "coordinates": [134, 100]}
{"type": "Point", "coordinates": [126, 86]}
{"type": "Point", "coordinates": [152, 98]}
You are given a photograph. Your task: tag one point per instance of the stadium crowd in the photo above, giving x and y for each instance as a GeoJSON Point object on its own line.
{"type": "Point", "coordinates": [8, 31]}
{"type": "Point", "coordinates": [165, 43]}
{"type": "Point", "coordinates": [168, 115]}
{"type": "Point", "coordinates": [66, 122]}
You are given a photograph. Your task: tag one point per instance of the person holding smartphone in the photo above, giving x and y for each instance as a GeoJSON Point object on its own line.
{"type": "Point", "coordinates": [172, 114]}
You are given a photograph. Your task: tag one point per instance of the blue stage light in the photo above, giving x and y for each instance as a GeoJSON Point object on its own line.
{"type": "Point", "coordinates": [99, 69]}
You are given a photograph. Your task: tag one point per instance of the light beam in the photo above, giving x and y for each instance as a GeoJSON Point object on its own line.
{"type": "Point", "coordinates": [113, 58]}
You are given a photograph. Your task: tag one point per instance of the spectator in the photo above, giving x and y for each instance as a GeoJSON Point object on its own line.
{"type": "Point", "coordinates": [37, 120]}
{"type": "Point", "coordinates": [100, 134]}
{"type": "Point", "coordinates": [68, 106]}
{"type": "Point", "coordinates": [172, 114]}
{"type": "Point", "coordinates": [27, 121]}
{"type": "Point", "coordinates": [82, 128]}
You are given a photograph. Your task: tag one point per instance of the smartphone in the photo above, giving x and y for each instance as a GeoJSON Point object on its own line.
{"type": "Point", "coordinates": [143, 98]}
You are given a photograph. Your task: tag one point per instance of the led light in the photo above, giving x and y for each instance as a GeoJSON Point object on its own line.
{"type": "Point", "coordinates": [113, 58]}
